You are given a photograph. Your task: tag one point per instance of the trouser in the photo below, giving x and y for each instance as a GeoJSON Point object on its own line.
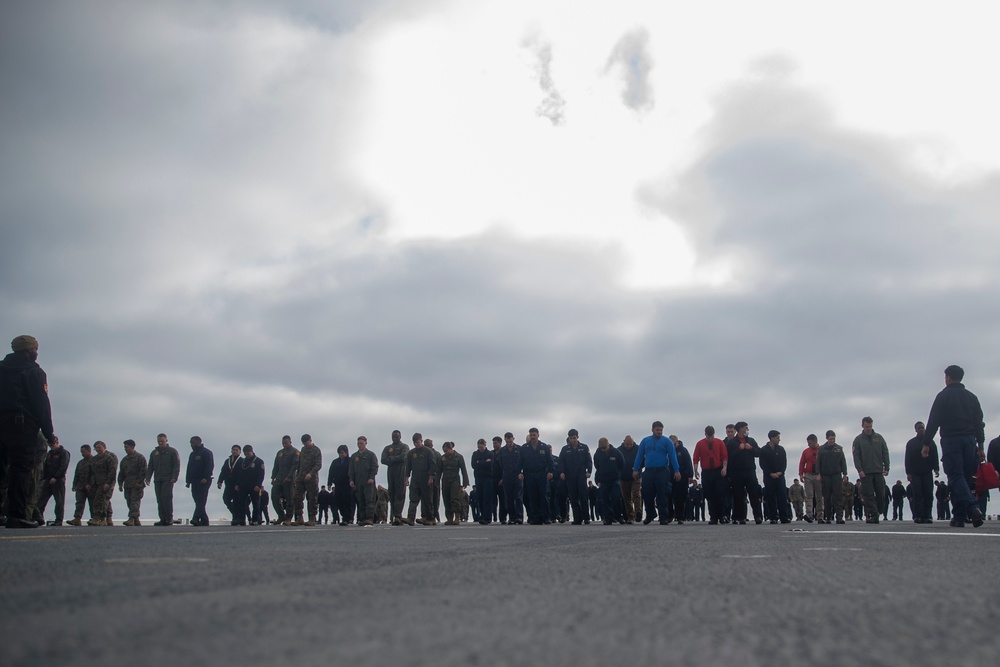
{"type": "Point", "coordinates": [799, 507]}
{"type": "Point", "coordinates": [306, 492]}
{"type": "Point", "coordinates": [165, 500]}
{"type": "Point", "coordinates": [897, 510]}
{"type": "Point", "coordinates": [102, 501]}
{"type": "Point", "coordinates": [133, 499]}
{"type": "Point", "coordinates": [745, 484]}
{"type": "Point", "coordinates": [513, 491]}
{"type": "Point", "coordinates": [814, 495]}
{"type": "Point", "coordinates": [57, 491]}
{"type": "Point", "coordinates": [282, 494]}
{"type": "Point", "coordinates": [699, 510]}
{"type": "Point", "coordinates": [595, 507]}
{"type": "Point", "coordinates": [345, 502]}
{"type": "Point", "coordinates": [396, 474]}
{"type": "Point", "coordinates": [38, 478]}
{"type": "Point", "coordinates": [229, 498]}
{"type": "Point", "coordinates": [777, 495]}
{"type": "Point", "coordinates": [609, 495]}
{"type": "Point", "coordinates": [873, 494]}
{"type": "Point", "coordinates": [632, 499]}
{"type": "Point", "coordinates": [833, 497]}
{"type": "Point", "coordinates": [364, 496]}
{"type": "Point", "coordinates": [500, 507]}
{"type": "Point", "coordinates": [451, 491]}
{"type": "Point", "coordinates": [249, 504]}
{"type": "Point", "coordinates": [943, 510]}
{"type": "Point", "coordinates": [678, 497]}
{"type": "Point", "coordinates": [579, 500]}
{"type": "Point", "coordinates": [19, 448]}
{"type": "Point", "coordinates": [713, 483]}
{"type": "Point", "coordinates": [960, 461]}
{"type": "Point", "coordinates": [536, 496]}
{"type": "Point", "coordinates": [199, 493]}
{"type": "Point", "coordinates": [436, 496]}
{"type": "Point", "coordinates": [923, 495]}
{"type": "Point", "coordinates": [656, 489]}
{"type": "Point", "coordinates": [324, 513]}
{"type": "Point", "coordinates": [484, 498]}
{"type": "Point", "coordinates": [83, 498]}
{"type": "Point", "coordinates": [420, 495]}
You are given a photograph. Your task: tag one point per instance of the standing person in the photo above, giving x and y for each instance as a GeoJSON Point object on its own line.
{"type": "Point", "coordinates": [921, 469]}
{"type": "Point", "coordinates": [454, 478]}
{"type": "Point", "coordinates": [324, 499]}
{"type": "Point", "coordinates": [339, 479]}
{"type": "Point", "coordinates": [898, 497]}
{"type": "Point", "coordinates": [132, 481]}
{"type": "Point", "coordinates": [576, 466]}
{"type": "Point", "coordinates": [654, 461]}
{"type": "Point", "coordinates": [436, 487]}
{"type": "Point", "coordinates": [743, 473]}
{"type": "Point", "coordinates": [163, 469]}
{"type": "Point", "coordinates": [536, 462]}
{"type": "Point", "coordinates": [797, 497]}
{"type": "Point", "coordinates": [227, 476]}
{"type": "Point", "coordinates": [774, 463]}
{"type": "Point", "coordinates": [362, 470]}
{"type": "Point", "coordinates": [631, 487]}
{"type": "Point", "coordinates": [198, 478]}
{"type": "Point", "coordinates": [713, 457]}
{"type": "Point", "coordinates": [24, 414]}
{"type": "Point", "coordinates": [484, 504]}
{"type": "Point", "coordinates": [942, 495]}
{"type": "Point", "coordinates": [812, 485]}
{"type": "Point", "coordinates": [394, 460]}
{"type": "Point", "coordinates": [500, 508]}
{"type": "Point", "coordinates": [249, 482]}
{"type": "Point", "coordinates": [53, 484]}
{"type": "Point", "coordinates": [608, 466]}
{"type": "Point", "coordinates": [871, 458]}
{"type": "Point", "coordinates": [420, 465]}
{"type": "Point", "coordinates": [105, 470]}
{"type": "Point", "coordinates": [263, 498]}
{"type": "Point", "coordinates": [957, 412]}
{"type": "Point", "coordinates": [679, 492]}
{"type": "Point", "coordinates": [286, 463]}
{"type": "Point", "coordinates": [831, 465]}
{"type": "Point", "coordinates": [82, 484]}
{"type": "Point", "coordinates": [306, 487]}
{"type": "Point", "coordinates": [512, 482]}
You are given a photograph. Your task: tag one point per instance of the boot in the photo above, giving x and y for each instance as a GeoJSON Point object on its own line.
{"type": "Point", "coordinates": [298, 521]}
{"type": "Point", "coordinates": [135, 522]}
{"type": "Point", "coordinates": [407, 520]}
{"type": "Point", "coordinates": [130, 522]}
{"type": "Point", "coordinates": [109, 522]}
{"type": "Point", "coordinates": [75, 521]}
{"type": "Point", "coordinates": [96, 522]}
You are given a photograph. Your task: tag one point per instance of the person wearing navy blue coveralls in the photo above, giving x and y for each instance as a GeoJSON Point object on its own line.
{"type": "Point", "coordinates": [576, 465]}
{"type": "Point", "coordinates": [512, 479]}
{"type": "Point", "coordinates": [198, 478]}
{"type": "Point", "coordinates": [655, 461]}
{"type": "Point", "coordinates": [536, 461]}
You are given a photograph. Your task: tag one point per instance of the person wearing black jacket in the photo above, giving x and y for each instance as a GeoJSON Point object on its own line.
{"type": "Point", "coordinates": [53, 483]}
{"type": "Point", "coordinates": [227, 478]}
{"type": "Point", "coordinates": [608, 466]}
{"type": "Point", "coordinates": [339, 479]}
{"type": "Point", "coordinates": [500, 507]}
{"type": "Point", "coordinates": [920, 472]}
{"type": "Point", "coordinates": [198, 478]}
{"type": "Point", "coordinates": [482, 475]}
{"type": "Point", "coordinates": [536, 462]}
{"type": "Point", "coordinates": [249, 481]}
{"type": "Point", "coordinates": [512, 478]}
{"type": "Point", "coordinates": [774, 463]}
{"type": "Point", "coordinates": [679, 492]}
{"type": "Point", "coordinates": [24, 412]}
{"type": "Point", "coordinates": [742, 450]}
{"type": "Point", "coordinates": [576, 465]}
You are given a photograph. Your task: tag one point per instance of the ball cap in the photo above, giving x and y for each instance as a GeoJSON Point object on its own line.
{"type": "Point", "coordinates": [24, 343]}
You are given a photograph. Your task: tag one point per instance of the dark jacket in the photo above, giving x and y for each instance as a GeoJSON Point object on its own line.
{"type": "Point", "coordinates": [914, 463]}
{"type": "Point", "coordinates": [684, 461]}
{"type": "Point", "coordinates": [956, 411]}
{"type": "Point", "coordinates": [628, 455]}
{"type": "Point", "coordinates": [482, 464]}
{"type": "Point", "coordinates": [576, 462]}
{"type": "Point", "coordinates": [24, 391]}
{"type": "Point", "coordinates": [536, 461]}
{"type": "Point", "coordinates": [742, 460]}
{"type": "Point", "coordinates": [201, 465]}
{"type": "Point", "coordinates": [609, 464]}
{"type": "Point", "coordinates": [773, 460]}
{"type": "Point", "coordinates": [831, 460]}
{"type": "Point", "coordinates": [250, 473]}
{"type": "Point", "coordinates": [339, 476]}
{"type": "Point", "coordinates": [56, 464]}
{"type": "Point", "coordinates": [510, 462]}
{"type": "Point", "coordinates": [227, 473]}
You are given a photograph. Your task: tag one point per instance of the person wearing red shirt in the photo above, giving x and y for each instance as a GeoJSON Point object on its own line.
{"type": "Point", "coordinates": [811, 479]}
{"type": "Point", "coordinates": [713, 456]}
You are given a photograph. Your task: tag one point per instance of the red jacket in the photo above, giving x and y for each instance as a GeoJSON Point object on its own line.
{"type": "Point", "coordinates": [711, 453]}
{"type": "Point", "coordinates": [807, 462]}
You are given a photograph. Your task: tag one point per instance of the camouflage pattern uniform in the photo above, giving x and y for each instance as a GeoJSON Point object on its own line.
{"type": "Point", "coordinates": [310, 463]}
{"type": "Point", "coordinates": [104, 467]}
{"type": "Point", "coordinates": [453, 476]}
{"type": "Point", "coordinates": [286, 463]}
{"type": "Point", "coordinates": [38, 479]}
{"type": "Point", "coordinates": [381, 505]}
{"type": "Point", "coordinates": [436, 489]}
{"type": "Point", "coordinates": [132, 483]}
{"type": "Point", "coordinates": [111, 491]}
{"type": "Point", "coordinates": [848, 500]}
{"type": "Point", "coordinates": [83, 477]}
{"type": "Point", "coordinates": [465, 507]}
{"type": "Point", "coordinates": [797, 496]}
{"type": "Point", "coordinates": [394, 460]}
{"type": "Point", "coordinates": [362, 470]}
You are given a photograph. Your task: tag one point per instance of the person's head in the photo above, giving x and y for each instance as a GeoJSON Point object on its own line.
{"type": "Point", "coordinates": [248, 451]}
{"type": "Point", "coordinates": [306, 439]}
{"type": "Point", "coordinates": [25, 346]}
{"type": "Point", "coordinates": [532, 435]}
{"type": "Point", "coordinates": [286, 441]}
{"type": "Point", "coordinates": [628, 442]}
{"type": "Point", "coordinates": [812, 441]}
{"type": "Point", "coordinates": [342, 451]}
{"type": "Point", "coordinates": [899, 482]}
{"type": "Point", "coordinates": [709, 432]}
{"type": "Point", "coordinates": [481, 444]}
{"type": "Point", "coordinates": [235, 450]}
{"type": "Point", "coordinates": [428, 442]}
{"type": "Point", "coordinates": [657, 428]}
{"type": "Point", "coordinates": [396, 436]}
{"type": "Point", "coordinates": [129, 446]}
{"type": "Point", "coordinates": [448, 447]}
{"type": "Point", "coordinates": [831, 437]}
{"type": "Point", "coordinates": [919, 428]}
{"type": "Point", "coordinates": [55, 443]}
{"type": "Point", "coordinates": [195, 442]}
{"type": "Point", "coordinates": [774, 436]}
{"type": "Point", "coordinates": [498, 441]}
{"type": "Point", "coordinates": [85, 451]}
{"type": "Point", "coordinates": [730, 430]}
{"type": "Point", "coordinates": [100, 447]}
{"type": "Point", "coordinates": [603, 443]}
{"type": "Point", "coordinates": [362, 443]}
{"type": "Point", "coordinates": [953, 374]}
{"type": "Point", "coordinates": [418, 440]}
{"type": "Point", "coordinates": [322, 488]}
{"type": "Point", "coordinates": [742, 429]}
{"type": "Point", "coordinates": [573, 437]}
{"type": "Point", "coordinates": [795, 481]}
{"type": "Point", "coordinates": [867, 425]}
{"type": "Point", "coordinates": [508, 439]}
{"type": "Point", "coordinates": [161, 440]}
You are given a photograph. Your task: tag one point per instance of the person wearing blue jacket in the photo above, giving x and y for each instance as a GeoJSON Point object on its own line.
{"type": "Point", "coordinates": [200, 469]}
{"type": "Point", "coordinates": [654, 462]}
{"type": "Point", "coordinates": [576, 465]}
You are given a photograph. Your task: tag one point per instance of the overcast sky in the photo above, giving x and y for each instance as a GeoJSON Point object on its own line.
{"type": "Point", "coordinates": [241, 220]}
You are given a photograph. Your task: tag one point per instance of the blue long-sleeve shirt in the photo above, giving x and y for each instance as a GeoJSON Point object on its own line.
{"type": "Point", "coordinates": [656, 453]}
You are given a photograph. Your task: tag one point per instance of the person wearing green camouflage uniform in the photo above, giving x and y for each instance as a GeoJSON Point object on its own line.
{"type": "Point", "coordinates": [797, 497]}
{"type": "Point", "coordinates": [163, 469]}
{"type": "Point", "coordinates": [362, 470]}
{"type": "Point", "coordinates": [454, 477]}
{"type": "Point", "coordinates": [38, 478]}
{"type": "Point", "coordinates": [307, 480]}
{"type": "Point", "coordinates": [420, 465]}
{"type": "Point", "coordinates": [381, 504]}
{"type": "Point", "coordinates": [394, 460]}
{"type": "Point", "coordinates": [132, 481]}
{"type": "Point", "coordinates": [848, 500]}
{"type": "Point", "coordinates": [82, 485]}
{"type": "Point", "coordinates": [286, 462]}
{"type": "Point", "coordinates": [111, 491]}
{"type": "Point", "coordinates": [105, 468]}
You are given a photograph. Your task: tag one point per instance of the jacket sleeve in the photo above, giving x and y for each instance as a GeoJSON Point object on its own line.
{"type": "Point", "coordinates": [465, 472]}
{"type": "Point", "coordinates": [63, 463]}
{"type": "Point", "coordinates": [39, 398]}
{"type": "Point", "coordinates": [177, 466]}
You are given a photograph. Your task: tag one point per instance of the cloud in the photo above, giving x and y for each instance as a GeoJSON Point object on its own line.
{"type": "Point", "coordinates": [631, 59]}
{"type": "Point", "coordinates": [552, 105]}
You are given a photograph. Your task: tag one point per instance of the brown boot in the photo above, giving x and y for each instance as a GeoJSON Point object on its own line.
{"type": "Point", "coordinates": [109, 522]}
{"type": "Point", "coordinates": [298, 521]}
{"type": "Point", "coordinates": [135, 522]}
{"type": "Point", "coordinates": [129, 522]}
{"type": "Point", "coordinates": [408, 520]}
{"type": "Point", "coordinates": [75, 521]}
